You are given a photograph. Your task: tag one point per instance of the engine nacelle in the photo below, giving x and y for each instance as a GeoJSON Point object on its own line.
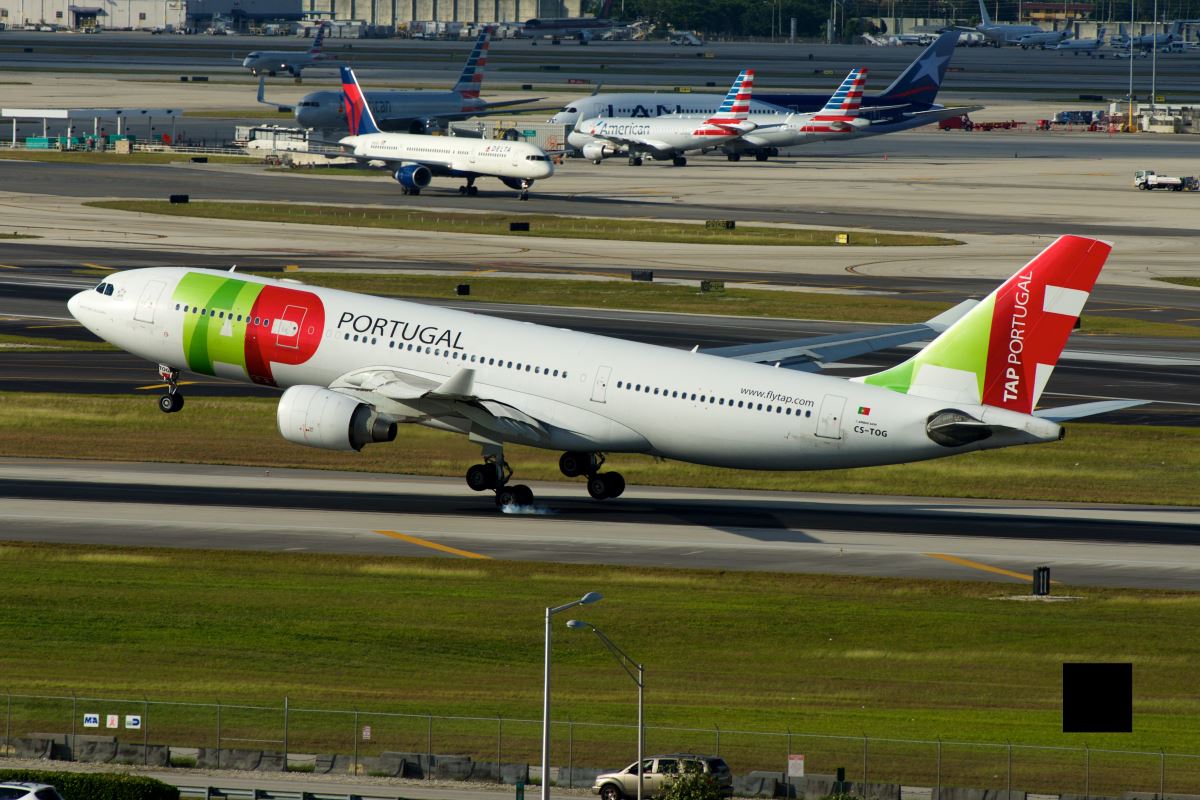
{"type": "Point", "coordinates": [318, 417]}
{"type": "Point", "coordinates": [594, 151]}
{"type": "Point", "coordinates": [413, 176]}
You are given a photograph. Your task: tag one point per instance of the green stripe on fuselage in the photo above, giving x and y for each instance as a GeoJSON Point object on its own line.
{"type": "Point", "coordinates": [209, 338]}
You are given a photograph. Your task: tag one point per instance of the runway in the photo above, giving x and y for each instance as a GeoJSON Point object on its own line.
{"type": "Point", "coordinates": [1165, 372]}
{"type": "Point", "coordinates": [155, 505]}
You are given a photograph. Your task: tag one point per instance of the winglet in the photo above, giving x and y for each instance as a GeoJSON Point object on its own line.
{"type": "Point", "coordinates": [358, 112]}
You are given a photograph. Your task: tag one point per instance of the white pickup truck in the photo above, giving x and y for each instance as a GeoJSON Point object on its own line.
{"type": "Point", "coordinates": [1148, 179]}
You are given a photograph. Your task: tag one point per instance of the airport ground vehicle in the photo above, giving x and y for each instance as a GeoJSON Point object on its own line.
{"type": "Point", "coordinates": [658, 772]}
{"type": "Point", "coordinates": [1148, 180]}
{"type": "Point", "coordinates": [28, 791]}
{"type": "Point", "coordinates": [959, 123]}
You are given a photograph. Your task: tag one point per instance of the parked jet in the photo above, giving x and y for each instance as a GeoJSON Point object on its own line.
{"type": "Point", "coordinates": [354, 367]}
{"type": "Point", "coordinates": [415, 159]}
{"type": "Point", "coordinates": [293, 62]}
{"type": "Point", "coordinates": [1043, 39]}
{"type": "Point", "coordinates": [1149, 41]}
{"type": "Point", "coordinates": [413, 111]}
{"type": "Point", "coordinates": [1000, 34]}
{"type": "Point", "coordinates": [670, 136]}
{"type": "Point", "coordinates": [1088, 46]}
{"type": "Point", "coordinates": [909, 102]}
{"type": "Point", "coordinates": [585, 29]}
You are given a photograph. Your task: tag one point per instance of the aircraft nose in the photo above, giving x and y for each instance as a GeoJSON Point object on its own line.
{"type": "Point", "coordinates": [73, 305]}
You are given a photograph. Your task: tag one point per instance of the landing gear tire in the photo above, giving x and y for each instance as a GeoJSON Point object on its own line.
{"type": "Point", "coordinates": [572, 465]}
{"type": "Point", "coordinates": [635, 161]}
{"type": "Point", "coordinates": [734, 156]}
{"type": "Point", "coordinates": [472, 191]}
{"type": "Point", "coordinates": [614, 484]}
{"type": "Point", "coordinates": [597, 160]}
{"type": "Point", "coordinates": [597, 487]}
{"type": "Point", "coordinates": [170, 403]}
{"type": "Point", "coordinates": [514, 496]}
{"type": "Point", "coordinates": [414, 191]}
{"type": "Point", "coordinates": [679, 161]}
{"type": "Point", "coordinates": [481, 477]}
{"type": "Point", "coordinates": [525, 194]}
{"type": "Point", "coordinates": [760, 156]}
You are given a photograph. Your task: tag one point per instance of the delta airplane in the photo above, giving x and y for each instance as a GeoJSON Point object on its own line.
{"type": "Point", "coordinates": [415, 159]}
{"type": "Point", "coordinates": [999, 33]}
{"type": "Point", "coordinates": [291, 61]}
{"type": "Point", "coordinates": [909, 102]}
{"type": "Point", "coordinates": [354, 367]}
{"type": "Point", "coordinates": [667, 137]}
{"type": "Point", "coordinates": [413, 111]}
{"type": "Point", "coordinates": [1089, 46]}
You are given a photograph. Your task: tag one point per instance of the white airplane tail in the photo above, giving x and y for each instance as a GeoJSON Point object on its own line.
{"type": "Point", "coordinates": [984, 17]}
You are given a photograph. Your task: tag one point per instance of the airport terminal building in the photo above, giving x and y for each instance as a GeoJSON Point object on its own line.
{"type": "Point", "coordinates": [179, 14]}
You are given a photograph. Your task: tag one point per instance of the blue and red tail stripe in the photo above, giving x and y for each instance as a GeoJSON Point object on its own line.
{"type": "Point", "coordinates": [843, 106]}
{"type": "Point", "coordinates": [471, 79]}
{"type": "Point", "coordinates": [735, 108]}
{"type": "Point", "coordinates": [358, 114]}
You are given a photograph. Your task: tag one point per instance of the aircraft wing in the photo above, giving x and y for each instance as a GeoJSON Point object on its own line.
{"type": "Point", "coordinates": [809, 354]}
{"type": "Point", "coordinates": [453, 397]}
{"type": "Point", "coordinates": [428, 162]}
{"type": "Point", "coordinates": [262, 89]}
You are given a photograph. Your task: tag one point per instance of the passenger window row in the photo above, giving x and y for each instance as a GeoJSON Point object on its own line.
{"type": "Point", "coordinates": [675, 394]}
{"type": "Point", "coordinates": [212, 312]}
{"type": "Point", "coordinates": [455, 355]}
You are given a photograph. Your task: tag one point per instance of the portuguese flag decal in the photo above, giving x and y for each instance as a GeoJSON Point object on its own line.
{"type": "Point", "coordinates": [864, 411]}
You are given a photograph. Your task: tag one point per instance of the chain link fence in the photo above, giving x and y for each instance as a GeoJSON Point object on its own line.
{"type": "Point", "coordinates": [358, 736]}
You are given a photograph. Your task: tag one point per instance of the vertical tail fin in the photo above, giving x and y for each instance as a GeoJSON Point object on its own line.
{"type": "Point", "coordinates": [470, 82]}
{"type": "Point", "coordinates": [358, 113]}
{"type": "Point", "coordinates": [320, 40]}
{"type": "Point", "coordinates": [919, 83]}
{"type": "Point", "coordinates": [844, 104]}
{"type": "Point", "coordinates": [735, 107]}
{"type": "Point", "coordinates": [984, 17]}
{"type": "Point", "coordinates": [1003, 351]}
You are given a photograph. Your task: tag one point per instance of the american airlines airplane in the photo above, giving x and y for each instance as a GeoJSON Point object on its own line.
{"type": "Point", "coordinates": [355, 367]}
{"type": "Point", "coordinates": [415, 159]}
{"type": "Point", "coordinates": [667, 137]}
{"type": "Point", "coordinates": [409, 110]}
{"type": "Point", "coordinates": [290, 61]}
{"type": "Point", "coordinates": [909, 102]}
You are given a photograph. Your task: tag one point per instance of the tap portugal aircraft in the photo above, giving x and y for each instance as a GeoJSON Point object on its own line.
{"type": "Point", "coordinates": [354, 366]}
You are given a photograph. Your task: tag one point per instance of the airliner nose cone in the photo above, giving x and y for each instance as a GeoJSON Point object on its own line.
{"type": "Point", "coordinates": [73, 305]}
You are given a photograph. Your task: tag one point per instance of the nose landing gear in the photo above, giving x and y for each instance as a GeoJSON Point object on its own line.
{"type": "Point", "coordinates": [172, 401]}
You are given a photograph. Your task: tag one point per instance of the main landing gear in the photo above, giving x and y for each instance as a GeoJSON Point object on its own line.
{"type": "Point", "coordinates": [469, 189]}
{"type": "Point", "coordinates": [635, 161]}
{"type": "Point", "coordinates": [494, 473]}
{"type": "Point", "coordinates": [172, 401]}
{"type": "Point", "coordinates": [600, 485]}
{"type": "Point", "coordinates": [406, 190]}
{"type": "Point", "coordinates": [679, 161]}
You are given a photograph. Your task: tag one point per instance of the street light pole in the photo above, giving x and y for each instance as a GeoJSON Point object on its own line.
{"type": "Point", "coordinates": [587, 599]}
{"type": "Point", "coordinates": [626, 662]}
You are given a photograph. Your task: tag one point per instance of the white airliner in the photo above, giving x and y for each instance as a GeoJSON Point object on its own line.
{"type": "Point", "coordinates": [1077, 46]}
{"type": "Point", "coordinates": [415, 158]}
{"type": "Point", "coordinates": [999, 33]}
{"type": "Point", "coordinates": [354, 367]}
{"type": "Point", "coordinates": [667, 137]}
{"type": "Point", "coordinates": [1044, 39]}
{"type": "Point", "coordinates": [290, 61]}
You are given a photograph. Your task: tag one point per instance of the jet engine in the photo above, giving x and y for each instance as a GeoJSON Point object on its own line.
{"type": "Point", "coordinates": [318, 417]}
{"type": "Point", "coordinates": [413, 176]}
{"type": "Point", "coordinates": [595, 151]}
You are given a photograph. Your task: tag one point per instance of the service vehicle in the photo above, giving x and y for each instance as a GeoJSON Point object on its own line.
{"type": "Point", "coordinates": [1148, 180]}
{"type": "Point", "coordinates": [28, 791]}
{"type": "Point", "coordinates": [658, 772]}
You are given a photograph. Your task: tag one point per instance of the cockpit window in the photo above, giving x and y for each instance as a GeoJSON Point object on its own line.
{"type": "Point", "coordinates": [108, 289]}
{"type": "Point", "coordinates": [309, 104]}
{"type": "Point", "coordinates": [536, 158]}
{"type": "Point", "coordinates": [105, 288]}
{"type": "Point", "coordinates": [100, 287]}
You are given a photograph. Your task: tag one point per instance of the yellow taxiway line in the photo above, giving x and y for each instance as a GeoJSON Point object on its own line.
{"type": "Point", "coordinates": [163, 385]}
{"type": "Point", "coordinates": [404, 537]}
{"type": "Point", "coordinates": [962, 562]}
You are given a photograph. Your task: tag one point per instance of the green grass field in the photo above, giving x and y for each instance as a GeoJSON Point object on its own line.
{"type": "Point", "coordinates": [645, 296]}
{"type": "Point", "coordinates": [1096, 463]}
{"type": "Point", "coordinates": [497, 224]}
{"type": "Point", "coordinates": [1181, 281]}
{"type": "Point", "coordinates": [740, 651]}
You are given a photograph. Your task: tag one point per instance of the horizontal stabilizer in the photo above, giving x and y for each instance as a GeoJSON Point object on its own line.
{"type": "Point", "coordinates": [807, 354]}
{"type": "Point", "coordinates": [1080, 410]}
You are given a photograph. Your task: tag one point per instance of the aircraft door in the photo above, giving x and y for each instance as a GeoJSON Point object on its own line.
{"type": "Point", "coordinates": [287, 327]}
{"type": "Point", "coordinates": [600, 387]}
{"type": "Point", "coordinates": [148, 301]}
{"type": "Point", "coordinates": [829, 421]}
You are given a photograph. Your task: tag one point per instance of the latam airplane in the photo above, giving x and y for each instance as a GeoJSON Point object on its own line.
{"type": "Point", "coordinates": [290, 61]}
{"type": "Point", "coordinates": [415, 159]}
{"type": "Point", "coordinates": [667, 137]}
{"type": "Point", "coordinates": [409, 110]}
{"type": "Point", "coordinates": [354, 367]}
